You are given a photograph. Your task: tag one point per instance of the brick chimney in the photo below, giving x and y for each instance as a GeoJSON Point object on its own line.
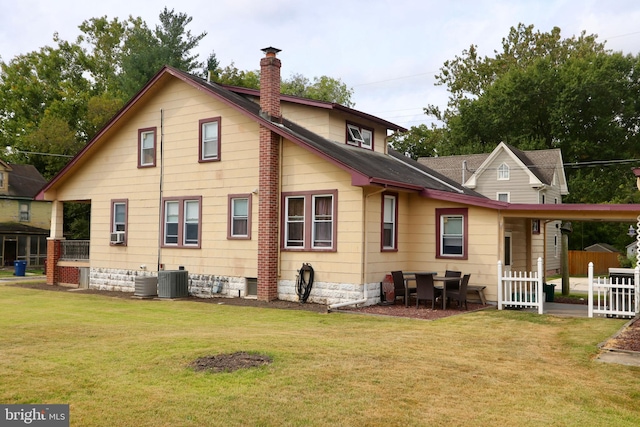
{"type": "Point", "coordinates": [269, 196]}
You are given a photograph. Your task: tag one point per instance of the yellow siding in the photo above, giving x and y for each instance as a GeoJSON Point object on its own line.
{"type": "Point", "coordinates": [304, 171]}
{"type": "Point", "coordinates": [112, 173]}
{"type": "Point", "coordinates": [40, 213]}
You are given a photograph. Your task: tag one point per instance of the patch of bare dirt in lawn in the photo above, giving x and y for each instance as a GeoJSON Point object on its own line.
{"type": "Point", "coordinates": [229, 362]}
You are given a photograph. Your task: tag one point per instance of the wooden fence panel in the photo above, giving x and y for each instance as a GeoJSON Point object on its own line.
{"type": "Point", "coordinates": [602, 261]}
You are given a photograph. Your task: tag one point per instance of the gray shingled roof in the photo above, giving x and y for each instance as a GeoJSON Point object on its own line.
{"type": "Point", "coordinates": [25, 181]}
{"type": "Point", "coordinates": [541, 163]}
{"type": "Point", "coordinates": [392, 168]}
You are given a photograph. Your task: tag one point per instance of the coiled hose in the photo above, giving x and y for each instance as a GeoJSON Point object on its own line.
{"type": "Point", "coordinates": [305, 282]}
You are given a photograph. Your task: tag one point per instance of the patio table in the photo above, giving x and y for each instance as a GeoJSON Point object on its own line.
{"type": "Point", "coordinates": [445, 280]}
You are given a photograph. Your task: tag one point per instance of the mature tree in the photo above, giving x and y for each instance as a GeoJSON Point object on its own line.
{"type": "Point", "coordinates": [322, 88]}
{"type": "Point", "coordinates": [543, 91]}
{"type": "Point", "coordinates": [146, 51]}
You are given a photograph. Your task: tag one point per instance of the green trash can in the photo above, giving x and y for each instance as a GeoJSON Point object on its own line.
{"type": "Point", "coordinates": [20, 267]}
{"type": "Point", "coordinates": [549, 291]}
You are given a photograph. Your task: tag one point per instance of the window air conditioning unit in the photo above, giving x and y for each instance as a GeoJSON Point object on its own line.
{"type": "Point", "coordinates": [117, 238]}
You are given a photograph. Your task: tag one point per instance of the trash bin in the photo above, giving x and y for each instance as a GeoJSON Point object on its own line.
{"type": "Point", "coordinates": [549, 291]}
{"type": "Point", "coordinates": [20, 267]}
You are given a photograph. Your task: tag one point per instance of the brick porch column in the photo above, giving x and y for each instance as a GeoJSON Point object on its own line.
{"type": "Point", "coordinates": [54, 242]}
{"type": "Point", "coordinates": [54, 250]}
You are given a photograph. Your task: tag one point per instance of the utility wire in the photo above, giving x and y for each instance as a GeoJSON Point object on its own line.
{"type": "Point", "coordinates": [41, 154]}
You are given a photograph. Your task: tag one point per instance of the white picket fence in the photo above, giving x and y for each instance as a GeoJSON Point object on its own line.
{"type": "Point", "coordinates": [521, 289]}
{"type": "Point", "coordinates": [618, 297]}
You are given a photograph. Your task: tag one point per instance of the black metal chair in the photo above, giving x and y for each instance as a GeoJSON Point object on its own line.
{"type": "Point", "coordinates": [454, 286]}
{"type": "Point", "coordinates": [460, 294]}
{"type": "Point", "coordinates": [398, 284]}
{"type": "Point", "coordinates": [425, 290]}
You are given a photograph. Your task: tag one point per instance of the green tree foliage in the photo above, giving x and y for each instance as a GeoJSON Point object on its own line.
{"type": "Point", "coordinates": [543, 91]}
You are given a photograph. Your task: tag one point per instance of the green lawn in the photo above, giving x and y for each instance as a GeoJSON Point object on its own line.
{"type": "Point", "coordinates": [121, 362]}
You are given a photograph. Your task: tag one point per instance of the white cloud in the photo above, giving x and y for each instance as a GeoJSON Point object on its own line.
{"type": "Point", "coordinates": [388, 51]}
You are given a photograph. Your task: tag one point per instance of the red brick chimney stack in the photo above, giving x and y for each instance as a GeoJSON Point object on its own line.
{"type": "Point", "coordinates": [270, 82]}
{"type": "Point", "coordinates": [268, 187]}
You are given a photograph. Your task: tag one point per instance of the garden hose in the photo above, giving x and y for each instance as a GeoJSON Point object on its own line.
{"type": "Point", "coordinates": [305, 282]}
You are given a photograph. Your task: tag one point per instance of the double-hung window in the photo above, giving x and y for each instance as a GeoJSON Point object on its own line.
{"type": "Point", "coordinates": [209, 139]}
{"type": "Point", "coordinates": [119, 221]}
{"type": "Point", "coordinates": [310, 221]}
{"type": "Point", "coordinates": [359, 136]}
{"type": "Point", "coordinates": [389, 222]}
{"type": "Point", "coordinates": [182, 222]}
{"type": "Point", "coordinates": [147, 147]}
{"type": "Point", "coordinates": [239, 216]}
{"type": "Point", "coordinates": [451, 230]}
{"type": "Point", "coordinates": [25, 212]}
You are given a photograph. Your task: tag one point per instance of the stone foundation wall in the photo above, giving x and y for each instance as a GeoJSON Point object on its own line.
{"type": "Point", "coordinates": [211, 286]}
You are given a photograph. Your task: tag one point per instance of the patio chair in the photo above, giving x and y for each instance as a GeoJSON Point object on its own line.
{"type": "Point", "coordinates": [460, 294]}
{"type": "Point", "coordinates": [399, 286]}
{"type": "Point", "coordinates": [425, 290]}
{"type": "Point", "coordinates": [451, 285]}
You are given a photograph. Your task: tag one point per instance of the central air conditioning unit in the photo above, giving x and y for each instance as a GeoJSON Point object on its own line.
{"type": "Point", "coordinates": [117, 238]}
{"type": "Point", "coordinates": [146, 286]}
{"type": "Point", "coordinates": [173, 284]}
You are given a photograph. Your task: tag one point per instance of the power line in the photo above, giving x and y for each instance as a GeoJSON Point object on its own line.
{"type": "Point", "coordinates": [41, 154]}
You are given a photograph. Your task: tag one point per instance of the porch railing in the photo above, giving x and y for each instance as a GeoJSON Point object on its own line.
{"type": "Point", "coordinates": [520, 288]}
{"type": "Point", "coordinates": [74, 250]}
{"type": "Point", "coordinates": [614, 296]}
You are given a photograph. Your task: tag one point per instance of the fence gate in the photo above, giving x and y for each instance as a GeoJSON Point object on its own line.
{"type": "Point", "coordinates": [614, 296]}
{"type": "Point", "coordinates": [520, 289]}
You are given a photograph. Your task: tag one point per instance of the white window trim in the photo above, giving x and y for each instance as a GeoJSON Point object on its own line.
{"type": "Point", "coordinates": [500, 193]}
{"type": "Point", "coordinates": [233, 216]}
{"type": "Point", "coordinates": [288, 220]}
{"type": "Point", "coordinates": [308, 221]}
{"type": "Point", "coordinates": [504, 172]}
{"type": "Point", "coordinates": [356, 136]}
{"type": "Point", "coordinates": [182, 222]}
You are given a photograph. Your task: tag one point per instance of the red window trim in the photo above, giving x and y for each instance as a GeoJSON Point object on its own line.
{"type": "Point", "coordinates": [465, 233]}
{"type": "Point", "coordinates": [231, 197]}
{"type": "Point", "coordinates": [181, 201]}
{"type": "Point", "coordinates": [395, 236]}
{"type": "Point", "coordinates": [201, 159]}
{"type": "Point", "coordinates": [308, 220]}
{"type": "Point", "coordinates": [126, 219]}
{"type": "Point", "coordinates": [155, 146]}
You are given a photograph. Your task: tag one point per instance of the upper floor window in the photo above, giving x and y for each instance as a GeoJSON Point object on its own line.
{"type": "Point", "coordinates": [452, 234]}
{"type": "Point", "coordinates": [209, 139]}
{"type": "Point", "coordinates": [239, 216]}
{"type": "Point", "coordinates": [182, 221]}
{"type": "Point", "coordinates": [147, 147]}
{"type": "Point", "coordinates": [503, 172]}
{"type": "Point", "coordinates": [389, 222]}
{"type": "Point", "coordinates": [310, 220]}
{"type": "Point", "coordinates": [119, 221]}
{"type": "Point", "coordinates": [25, 211]}
{"type": "Point", "coordinates": [2, 180]}
{"type": "Point", "coordinates": [503, 197]}
{"type": "Point", "coordinates": [359, 136]}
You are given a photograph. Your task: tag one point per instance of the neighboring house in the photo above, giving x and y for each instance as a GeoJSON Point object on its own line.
{"type": "Point", "coordinates": [602, 247]}
{"type": "Point", "coordinates": [511, 175]}
{"type": "Point", "coordinates": [24, 222]}
{"type": "Point", "coordinates": [241, 188]}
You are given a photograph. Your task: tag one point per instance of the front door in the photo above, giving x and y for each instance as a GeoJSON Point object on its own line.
{"type": "Point", "coordinates": [507, 251]}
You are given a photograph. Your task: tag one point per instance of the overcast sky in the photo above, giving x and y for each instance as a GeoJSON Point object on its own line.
{"type": "Point", "coordinates": [387, 51]}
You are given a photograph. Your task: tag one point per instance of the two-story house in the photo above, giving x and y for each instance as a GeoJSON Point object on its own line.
{"type": "Point", "coordinates": [24, 222]}
{"type": "Point", "coordinates": [511, 175]}
{"type": "Point", "coordinates": [242, 188]}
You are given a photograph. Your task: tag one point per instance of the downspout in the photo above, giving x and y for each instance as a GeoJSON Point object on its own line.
{"type": "Point", "coordinates": [363, 256]}
{"type": "Point", "coordinates": [160, 189]}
